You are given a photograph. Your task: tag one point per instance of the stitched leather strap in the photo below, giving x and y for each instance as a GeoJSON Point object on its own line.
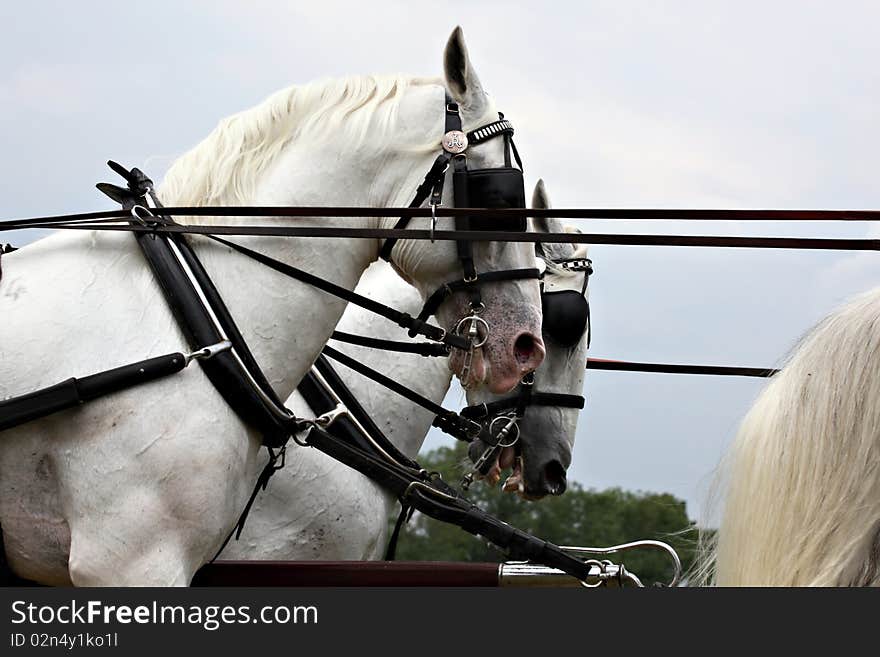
{"type": "Point", "coordinates": [444, 291]}
{"type": "Point", "coordinates": [447, 421]}
{"type": "Point", "coordinates": [420, 348]}
{"type": "Point", "coordinates": [405, 320]}
{"type": "Point", "coordinates": [484, 411]}
{"type": "Point", "coordinates": [436, 499]}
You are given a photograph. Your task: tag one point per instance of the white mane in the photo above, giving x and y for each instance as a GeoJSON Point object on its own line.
{"type": "Point", "coordinates": [803, 475]}
{"type": "Point", "coordinates": [224, 167]}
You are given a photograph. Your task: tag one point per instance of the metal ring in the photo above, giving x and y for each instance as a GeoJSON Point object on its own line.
{"type": "Point", "coordinates": [600, 581]}
{"type": "Point", "coordinates": [476, 319]}
{"type": "Point", "coordinates": [433, 221]}
{"type": "Point", "coordinates": [141, 220]}
{"type": "Point", "coordinates": [513, 426]}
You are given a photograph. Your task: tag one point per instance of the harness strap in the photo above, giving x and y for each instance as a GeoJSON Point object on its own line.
{"type": "Point", "coordinates": [74, 392]}
{"type": "Point", "coordinates": [447, 421]}
{"type": "Point", "coordinates": [406, 512]}
{"type": "Point", "coordinates": [272, 466]}
{"type": "Point", "coordinates": [487, 410]}
{"type": "Point", "coordinates": [405, 320]}
{"type": "Point", "coordinates": [486, 132]}
{"type": "Point", "coordinates": [420, 348]}
{"type": "Point", "coordinates": [433, 183]}
{"type": "Point", "coordinates": [444, 291]}
{"type": "Point", "coordinates": [465, 249]}
{"type": "Point", "coordinates": [429, 184]}
{"type": "Point", "coordinates": [358, 428]}
{"type": "Point", "coordinates": [204, 319]}
{"type": "Point", "coordinates": [435, 498]}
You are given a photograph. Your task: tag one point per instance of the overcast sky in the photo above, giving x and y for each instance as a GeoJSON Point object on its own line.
{"type": "Point", "coordinates": [629, 104]}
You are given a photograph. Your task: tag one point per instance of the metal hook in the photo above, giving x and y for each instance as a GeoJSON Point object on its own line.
{"type": "Point", "coordinates": [635, 545]}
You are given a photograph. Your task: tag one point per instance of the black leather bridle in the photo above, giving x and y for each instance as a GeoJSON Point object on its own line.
{"type": "Point", "coordinates": [566, 319]}
{"type": "Point", "coordinates": [500, 187]}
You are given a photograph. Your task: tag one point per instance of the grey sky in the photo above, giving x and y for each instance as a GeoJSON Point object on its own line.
{"type": "Point", "coordinates": [651, 104]}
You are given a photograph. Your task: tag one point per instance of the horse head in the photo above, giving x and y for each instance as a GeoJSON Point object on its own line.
{"type": "Point", "coordinates": [504, 317]}
{"type": "Point", "coordinates": [540, 440]}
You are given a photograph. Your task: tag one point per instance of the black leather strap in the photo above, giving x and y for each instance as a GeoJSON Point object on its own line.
{"type": "Point", "coordinates": [405, 320]}
{"type": "Point", "coordinates": [245, 389]}
{"type": "Point", "coordinates": [403, 517]}
{"type": "Point", "coordinates": [490, 130]}
{"type": "Point", "coordinates": [447, 421]}
{"type": "Point", "coordinates": [465, 249]}
{"type": "Point", "coordinates": [343, 426]}
{"type": "Point", "coordinates": [433, 180]}
{"type": "Point", "coordinates": [444, 291]}
{"type": "Point", "coordinates": [73, 392]}
{"type": "Point", "coordinates": [434, 498]}
{"type": "Point", "coordinates": [420, 348]}
{"type": "Point", "coordinates": [485, 411]}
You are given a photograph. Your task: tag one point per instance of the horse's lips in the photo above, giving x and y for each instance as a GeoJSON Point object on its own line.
{"type": "Point", "coordinates": [516, 481]}
{"type": "Point", "coordinates": [502, 461]}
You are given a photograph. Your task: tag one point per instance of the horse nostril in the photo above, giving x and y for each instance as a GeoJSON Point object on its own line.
{"type": "Point", "coordinates": [525, 348]}
{"type": "Point", "coordinates": [553, 479]}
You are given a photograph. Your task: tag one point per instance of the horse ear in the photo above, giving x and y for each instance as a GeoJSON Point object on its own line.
{"type": "Point", "coordinates": [539, 196]}
{"type": "Point", "coordinates": [540, 201]}
{"type": "Point", "coordinates": [461, 79]}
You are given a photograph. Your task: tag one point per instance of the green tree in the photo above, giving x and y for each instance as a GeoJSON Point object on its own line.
{"type": "Point", "coordinates": [579, 517]}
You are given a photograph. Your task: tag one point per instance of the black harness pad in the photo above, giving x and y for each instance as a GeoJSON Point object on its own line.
{"type": "Point", "coordinates": [222, 370]}
{"type": "Point", "coordinates": [566, 316]}
{"type": "Point", "coordinates": [501, 188]}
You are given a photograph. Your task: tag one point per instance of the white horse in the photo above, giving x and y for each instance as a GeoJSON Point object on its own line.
{"type": "Point", "coordinates": [141, 487]}
{"type": "Point", "coordinates": [318, 508]}
{"type": "Point", "coordinates": [802, 478]}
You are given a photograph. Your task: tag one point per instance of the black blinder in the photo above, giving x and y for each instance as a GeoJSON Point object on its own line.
{"type": "Point", "coordinates": [493, 188]}
{"type": "Point", "coordinates": [566, 316]}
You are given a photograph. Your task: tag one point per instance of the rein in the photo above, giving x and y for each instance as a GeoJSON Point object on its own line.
{"type": "Point", "coordinates": [620, 239]}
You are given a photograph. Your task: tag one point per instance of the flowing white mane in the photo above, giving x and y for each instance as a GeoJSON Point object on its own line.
{"type": "Point", "coordinates": [224, 167]}
{"type": "Point", "coordinates": [802, 478]}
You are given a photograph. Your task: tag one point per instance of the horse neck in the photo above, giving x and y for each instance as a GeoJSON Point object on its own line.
{"type": "Point", "coordinates": [406, 424]}
{"type": "Point", "coordinates": [285, 322]}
